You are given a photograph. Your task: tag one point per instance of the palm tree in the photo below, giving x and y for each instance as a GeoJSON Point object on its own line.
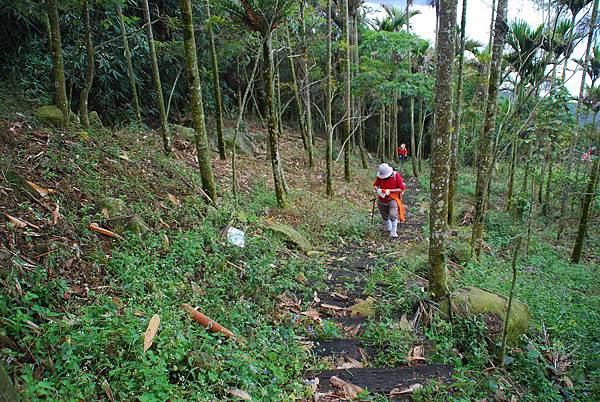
{"type": "Point", "coordinates": [263, 17]}
{"type": "Point", "coordinates": [575, 6]}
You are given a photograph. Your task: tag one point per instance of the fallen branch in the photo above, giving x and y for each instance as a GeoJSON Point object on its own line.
{"type": "Point", "coordinates": [206, 322]}
{"type": "Point", "coordinates": [94, 227]}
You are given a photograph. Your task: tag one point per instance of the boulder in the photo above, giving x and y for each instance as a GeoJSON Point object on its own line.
{"type": "Point", "coordinates": [475, 301]}
{"type": "Point", "coordinates": [459, 251]}
{"type": "Point", "coordinates": [291, 235]}
{"type": "Point", "coordinates": [49, 114]}
{"type": "Point", "coordinates": [122, 220]}
{"type": "Point", "coordinates": [184, 133]}
{"type": "Point", "coordinates": [243, 143]}
{"type": "Point", "coordinates": [95, 121]}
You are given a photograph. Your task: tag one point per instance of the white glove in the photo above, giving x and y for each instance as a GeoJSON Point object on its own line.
{"type": "Point", "coordinates": [380, 192]}
{"type": "Point", "coordinates": [387, 192]}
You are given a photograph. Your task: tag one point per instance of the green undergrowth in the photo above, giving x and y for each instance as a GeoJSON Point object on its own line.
{"type": "Point", "coordinates": [73, 325]}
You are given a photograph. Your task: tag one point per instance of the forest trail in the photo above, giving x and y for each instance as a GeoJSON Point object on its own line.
{"type": "Point", "coordinates": [347, 300]}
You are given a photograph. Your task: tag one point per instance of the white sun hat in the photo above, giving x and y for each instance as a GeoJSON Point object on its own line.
{"type": "Point", "coordinates": [384, 171]}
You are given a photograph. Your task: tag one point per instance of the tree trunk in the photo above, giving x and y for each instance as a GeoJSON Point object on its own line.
{"type": "Point", "coordinates": [307, 101]}
{"type": "Point", "coordinates": [586, 206]}
{"type": "Point", "coordinates": [297, 100]}
{"type": "Point", "coordinates": [60, 86]}
{"type": "Point", "coordinates": [413, 147]}
{"type": "Point", "coordinates": [328, 96]}
{"type": "Point", "coordinates": [574, 141]}
{"type": "Point", "coordinates": [546, 202]}
{"type": "Point", "coordinates": [347, 100]}
{"type": "Point", "coordinates": [130, 72]}
{"type": "Point", "coordinates": [422, 117]}
{"type": "Point", "coordinates": [89, 74]}
{"type": "Point", "coordinates": [164, 129]}
{"type": "Point", "coordinates": [195, 89]}
{"type": "Point", "coordinates": [512, 170]}
{"type": "Point", "coordinates": [457, 116]}
{"type": "Point", "coordinates": [484, 165]}
{"type": "Point", "coordinates": [440, 150]}
{"type": "Point", "coordinates": [216, 85]}
{"type": "Point", "coordinates": [381, 143]}
{"type": "Point", "coordinates": [272, 123]}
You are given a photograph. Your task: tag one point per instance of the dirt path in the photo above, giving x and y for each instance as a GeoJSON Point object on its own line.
{"type": "Point", "coordinates": [345, 300]}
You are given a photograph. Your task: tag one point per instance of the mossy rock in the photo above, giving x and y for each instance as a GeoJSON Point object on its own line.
{"type": "Point", "coordinates": [475, 301]}
{"type": "Point", "coordinates": [95, 121]}
{"type": "Point", "coordinates": [114, 207]}
{"type": "Point", "coordinates": [459, 251]}
{"type": "Point", "coordinates": [136, 225]}
{"type": "Point", "coordinates": [51, 114]}
{"type": "Point", "coordinates": [291, 235]}
{"type": "Point", "coordinates": [243, 143]}
{"type": "Point", "coordinates": [364, 308]}
{"type": "Point", "coordinates": [184, 133]}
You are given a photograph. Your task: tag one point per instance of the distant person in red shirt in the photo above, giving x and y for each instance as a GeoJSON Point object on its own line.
{"type": "Point", "coordinates": [389, 187]}
{"type": "Point", "coordinates": [402, 152]}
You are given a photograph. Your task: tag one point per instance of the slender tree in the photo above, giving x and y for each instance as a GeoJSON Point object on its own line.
{"type": "Point", "coordinates": [347, 96]}
{"type": "Point", "coordinates": [440, 149]}
{"type": "Point", "coordinates": [457, 116]}
{"type": "Point", "coordinates": [297, 98]}
{"type": "Point", "coordinates": [484, 150]}
{"type": "Point", "coordinates": [195, 89]}
{"type": "Point", "coordinates": [164, 129]}
{"type": "Point", "coordinates": [60, 86]}
{"type": "Point", "coordinates": [89, 74]}
{"type": "Point", "coordinates": [216, 84]}
{"type": "Point", "coordinates": [130, 71]}
{"type": "Point", "coordinates": [328, 99]}
{"type": "Point", "coordinates": [575, 139]}
{"type": "Point", "coordinates": [306, 86]}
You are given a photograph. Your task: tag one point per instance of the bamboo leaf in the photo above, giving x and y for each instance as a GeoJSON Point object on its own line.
{"type": "Point", "coordinates": [151, 332]}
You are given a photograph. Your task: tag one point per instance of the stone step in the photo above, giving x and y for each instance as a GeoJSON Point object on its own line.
{"type": "Point", "coordinates": [385, 379]}
{"type": "Point", "coordinates": [343, 348]}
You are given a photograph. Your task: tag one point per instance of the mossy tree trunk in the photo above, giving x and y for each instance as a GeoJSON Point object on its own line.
{"type": "Point", "coordinates": [216, 84]}
{"type": "Point", "coordinates": [89, 73]}
{"type": "Point", "coordinates": [347, 100]}
{"type": "Point", "coordinates": [60, 86]}
{"type": "Point", "coordinates": [328, 100]}
{"type": "Point", "coordinates": [160, 102]}
{"type": "Point", "coordinates": [297, 100]}
{"type": "Point", "coordinates": [484, 160]}
{"type": "Point", "coordinates": [272, 123]}
{"type": "Point", "coordinates": [440, 150]}
{"type": "Point", "coordinates": [195, 89]}
{"type": "Point", "coordinates": [586, 207]}
{"type": "Point", "coordinates": [306, 89]}
{"type": "Point", "coordinates": [130, 71]}
{"type": "Point", "coordinates": [381, 142]}
{"type": "Point", "coordinates": [457, 116]}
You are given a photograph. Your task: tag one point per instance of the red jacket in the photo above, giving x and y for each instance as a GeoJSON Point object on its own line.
{"type": "Point", "coordinates": [402, 152]}
{"type": "Point", "coordinates": [393, 182]}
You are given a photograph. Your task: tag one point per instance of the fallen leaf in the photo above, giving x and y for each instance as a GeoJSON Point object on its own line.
{"type": "Point", "coordinates": [151, 331]}
{"type": "Point", "coordinates": [350, 390]}
{"type": "Point", "coordinates": [312, 314]}
{"type": "Point", "coordinates": [125, 156]}
{"type": "Point", "coordinates": [332, 307]}
{"type": "Point", "coordinates": [43, 192]}
{"type": "Point", "coordinates": [16, 221]}
{"type": "Point", "coordinates": [55, 214]}
{"type": "Point", "coordinates": [338, 295]}
{"type": "Point", "coordinates": [138, 313]}
{"type": "Point", "coordinates": [105, 213]}
{"type": "Point", "coordinates": [316, 297]}
{"type": "Point", "coordinates": [408, 390]}
{"type": "Point", "coordinates": [166, 242]}
{"type": "Point", "coordinates": [416, 353]}
{"type": "Point", "coordinates": [567, 381]}
{"type": "Point", "coordinates": [173, 199]}
{"type": "Point", "coordinates": [240, 393]}
{"type": "Point", "coordinates": [404, 323]}
{"type": "Point", "coordinates": [349, 363]}
{"type": "Point", "coordinates": [364, 308]}
{"type": "Point", "coordinates": [107, 390]}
